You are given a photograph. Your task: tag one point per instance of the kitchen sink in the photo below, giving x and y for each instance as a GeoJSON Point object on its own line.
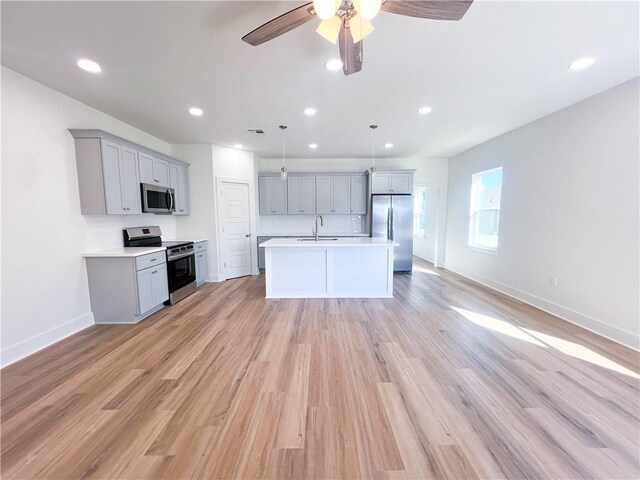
{"type": "Point", "coordinates": [313, 239]}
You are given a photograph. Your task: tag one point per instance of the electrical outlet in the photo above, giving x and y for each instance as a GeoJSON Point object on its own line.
{"type": "Point", "coordinates": [553, 281]}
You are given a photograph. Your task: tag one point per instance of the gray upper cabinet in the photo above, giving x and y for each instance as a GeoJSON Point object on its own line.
{"type": "Point", "coordinates": [179, 181]}
{"type": "Point", "coordinates": [359, 195]}
{"type": "Point", "coordinates": [153, 170]}
{"type": "Point", "coordinates": [333, 194]}
{"type": "Point", "coordinates": [111, 169]}
{"type": "Point", "coordinates": [107, 178]}
{"type": "Point", "coordinates": [272, 195]}
{"type": "Point", "coordinates": [301, 195]}
{"type": "Point", "coordinates": [391, 182]}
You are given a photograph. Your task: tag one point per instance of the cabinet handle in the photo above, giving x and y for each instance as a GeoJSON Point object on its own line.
{"type": "Point", "coordinates": [155, 271]}
{"type": "Point", "coordinates": [153, 259]}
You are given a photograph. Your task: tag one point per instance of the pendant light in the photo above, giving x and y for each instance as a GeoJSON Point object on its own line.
{"type": "Point", "coordinates": [283, 170]}
{"type": "Point", "coordinates": [372, 169]}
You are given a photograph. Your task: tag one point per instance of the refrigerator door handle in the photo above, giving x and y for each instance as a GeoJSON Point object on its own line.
{"type": "Point", "coordinates": [391, 224]}
{"type": "Point", "coordinates": [388, 223]}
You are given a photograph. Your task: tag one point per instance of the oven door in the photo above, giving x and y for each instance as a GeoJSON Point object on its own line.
{"type": "Point", "coordinates": [157, 199]}
{"type": "Point", "coordinates": [182, 272]}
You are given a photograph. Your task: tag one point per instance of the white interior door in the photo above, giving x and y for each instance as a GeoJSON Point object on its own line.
{"type": "Point", "coordinates": [236, 229]}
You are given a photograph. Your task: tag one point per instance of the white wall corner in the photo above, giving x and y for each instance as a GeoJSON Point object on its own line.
{"type": "Point", "coordinates": [23, 349]}
{"type": "Point", "coordinates": [616, 334]}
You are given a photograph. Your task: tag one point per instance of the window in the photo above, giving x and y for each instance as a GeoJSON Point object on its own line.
{"type": "Point", "coordinates": [484, 221]}
{"type": "Point", "coordinates": [419, 211]}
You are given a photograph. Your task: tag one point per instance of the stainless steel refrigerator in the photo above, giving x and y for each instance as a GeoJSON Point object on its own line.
{"type": "Point", "coordinates": [392, 218]}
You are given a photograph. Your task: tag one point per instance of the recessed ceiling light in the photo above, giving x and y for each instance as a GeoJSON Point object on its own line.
{"type": "Point", "coordinates": [388, 145]}
{"type": "Point", "coordinates": [89, 65]}
{"type": "Point", "coordinates": [582, 63]}
{"type": "Point", "coordinates": [237, 145]}
{"type": "Point", "coordinates": [310, 111]}
{"type": "Point", "coordinates": [334, 64]}
{"type": "Point", "coordinates": [424, 110]}
{"type": "Point", "coordinates": [196, 111]}
{"type": "Point", "coordinates": [313, 146]}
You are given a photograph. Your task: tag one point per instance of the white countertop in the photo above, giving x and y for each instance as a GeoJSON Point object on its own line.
{"type": "Point", "coordinates": [341, 242]}
{"type": "Point", "coordinates": [124, 252]}
{"type": "Point", "coordinates": [196, 240]}
{"type": "Point", "coordinates": [309, 234]}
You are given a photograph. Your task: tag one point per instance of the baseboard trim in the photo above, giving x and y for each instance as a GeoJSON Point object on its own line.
{"type": "Point", "coordinates": [613, 333]}
{"type": "Point", "coordinates": [215, 278]}
{"type": "Point", "coordinates": [423, 257]}
{"type": "Point", "coordinates": [27, 347]}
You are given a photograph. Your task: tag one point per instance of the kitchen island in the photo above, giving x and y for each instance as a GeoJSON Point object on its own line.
{"type": "Point", "coordinates": [329, 268]}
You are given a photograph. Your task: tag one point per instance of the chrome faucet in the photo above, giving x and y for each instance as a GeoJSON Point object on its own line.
{"type": "Point", "coordinates": [315, 230]}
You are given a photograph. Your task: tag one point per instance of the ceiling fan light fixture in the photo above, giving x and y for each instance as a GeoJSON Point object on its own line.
{"type": "Point", "coordinates": [359, 28]}
{"type": "Point", "coordinates": [334, 64]}
{"type": "Point", "coordinates": [330, 29]}
{"type": "Point", "coordinates": [368, 9]}
{"type": "Point", "coordinates": [325, 9]}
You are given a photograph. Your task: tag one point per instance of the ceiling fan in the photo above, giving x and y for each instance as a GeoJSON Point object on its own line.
{"type": "Point", "coordinates": [349, 21]}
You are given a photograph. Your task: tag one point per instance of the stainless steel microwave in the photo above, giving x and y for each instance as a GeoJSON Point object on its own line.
{"type": "Point", "coordinates": [157, 199]}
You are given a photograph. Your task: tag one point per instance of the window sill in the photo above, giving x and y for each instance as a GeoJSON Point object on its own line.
{"type": "Point", "coordinates": [489, 251]}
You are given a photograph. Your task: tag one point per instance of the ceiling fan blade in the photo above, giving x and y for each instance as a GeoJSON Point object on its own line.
{"type": "Point", "coordinates": [432, 9]}
{"type": "Point", "coordinates": [280, 25]}
{"type": "Point", "coordinates": [351, 53]}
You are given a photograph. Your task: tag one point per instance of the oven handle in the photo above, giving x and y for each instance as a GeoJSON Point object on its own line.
{"type": "Point", "coordinates": [182, 255]}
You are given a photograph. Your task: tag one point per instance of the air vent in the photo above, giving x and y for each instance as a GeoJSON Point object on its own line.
{"type": "Point", "coordinates": [255, 131]}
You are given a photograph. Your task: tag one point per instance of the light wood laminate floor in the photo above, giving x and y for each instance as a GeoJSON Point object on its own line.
{"type": "Point", "coordinates": [446, 380]}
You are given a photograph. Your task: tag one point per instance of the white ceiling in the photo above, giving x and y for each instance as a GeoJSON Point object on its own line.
{"type": "Point", "coordinates": [502, 66]}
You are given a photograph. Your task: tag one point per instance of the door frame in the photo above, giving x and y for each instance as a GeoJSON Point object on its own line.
{"type": "Point", "coordinates": [441, 218]}
{"type": "Point", "coordinates": [218, 221]}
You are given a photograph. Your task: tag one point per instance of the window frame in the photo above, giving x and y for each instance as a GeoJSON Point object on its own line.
{"type": "Point", "coordinates": [474, 210]}
{"type": "Point", "coordinates": [424, 211]}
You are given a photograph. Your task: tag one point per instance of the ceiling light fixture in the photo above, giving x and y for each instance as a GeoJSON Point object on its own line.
{"type": "Point", "coordinates": [359, 27]}
{"type": "Point", "coordinates": [388, 145]}
{"type": "Point", "coordinates": [309, 111]}
{"type": "Point", "coordinates": [313, 146]}
{"type": "Point", "coordinates": [283, 170]}
{"type": "Point", "coordinates": [582, 63]}
{"type": "Point", "coordinates": [372, 169]}
{"type": "Point", "coordinates": [330, 29]}
{"type": "Point", "coordinates": [237, 145]}
{"type": "Point", "coordinates": [89, 65]}
{"type": "Point", "coordinates": [334, 64]}
{"type": "Point", "coordinates": [196, 112]}
{"type": "Point", "coordinates": [424, 110]}
{"type": "Point", "coordinates": [325, 9]}
{"type": "Point", "coordinates": [367, 8]}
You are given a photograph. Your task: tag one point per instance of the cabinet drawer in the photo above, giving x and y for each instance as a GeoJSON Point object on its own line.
{"type": "Point", "coordinates": [200, 246]}
{"type": "Point", "coordinates": [146, 261]}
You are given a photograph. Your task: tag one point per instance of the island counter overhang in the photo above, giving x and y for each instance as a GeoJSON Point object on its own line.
{"type": "Point", "coordinates": [342, 268]}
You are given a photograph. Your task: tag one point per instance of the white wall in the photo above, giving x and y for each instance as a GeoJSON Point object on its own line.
{"type": "Point", "coordinates": [209, 163]}
{"type": "Point", "coordinates": [45, 294]}
{"type": "Point", "coordinates": [569, 210]}
{"type": "Point", "coordinates": [430, 172]}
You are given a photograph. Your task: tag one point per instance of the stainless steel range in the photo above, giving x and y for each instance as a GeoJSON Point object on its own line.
{"type": "Point", "coordinates": [181, 260]}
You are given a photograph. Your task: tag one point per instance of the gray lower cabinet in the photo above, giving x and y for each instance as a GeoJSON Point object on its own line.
{"type": "Point", "coordinates": [179, 181]}
{"type": "Point", "coordinates": [333, 194]}
{"type": "Point", "coordinates": [127, 289]}
{"type": "Point", "coordinates": [301, 195]}
{"type": "Point", "coordinates": [272, 195]}
{"type": "Point", "coordinates": [201, 262]}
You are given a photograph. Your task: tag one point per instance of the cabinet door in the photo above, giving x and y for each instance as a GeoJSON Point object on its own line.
{"type": "Point", "coordinates": [160, 284]}
{"type": "Point", "coordinates": [359, 195]}
{"type": "Point", "coordinates": [173, 183]}
{"type": "Point", "coordinates": [145, 168]}
{"type": "Point", "coordinates": [264, 195]}
{"type": "Point", "coordinates": [341, 194]}
{"type": "Point", "coordinates": [111, 162]}
{"type": "Point", "coordinates": [308, 194]}
{"type": "Point", "coordinates": [146, 300]}
{"type": "Point", "coordinates": [278, 196]}
{"type": "Point", "coordinates": [294, 206]}
{"type": "Point", "coordinates": [324, 194]}
{"type": "Point", "coordinates": [401, 183]}
{"type": "Point", "coordinates": [201, 268]}
{"type": "Point", "coordinates": [129, 183]}
{"type": "Point", "coordinates": [381, 183]}
{"type": "Point", "coordinates": [161, 172]}
{"type": "Point", "coordinates": [183, 191]}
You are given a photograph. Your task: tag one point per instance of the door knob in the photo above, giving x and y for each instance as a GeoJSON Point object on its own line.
{"type": "Point", "coordinates": [248, 235]}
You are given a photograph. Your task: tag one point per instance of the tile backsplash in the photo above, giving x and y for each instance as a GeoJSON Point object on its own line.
{"type": "Point", "coordinates": [303, 224]}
